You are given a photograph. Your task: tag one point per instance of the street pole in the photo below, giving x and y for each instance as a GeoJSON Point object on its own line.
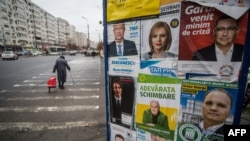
{"type": "Point", "coordinates": [88, 31]}
{"type": "Point", "coordinates": [98, 35]}
{"type": "Point", "coordinates": [88, 34]}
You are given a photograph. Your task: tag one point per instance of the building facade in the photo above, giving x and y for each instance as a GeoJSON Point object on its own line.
{"type": "Point", "coordinates": [24, 23]}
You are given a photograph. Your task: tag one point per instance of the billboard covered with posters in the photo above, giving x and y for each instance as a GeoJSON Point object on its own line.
{"type": "Point", "coordinates": [169, 74]}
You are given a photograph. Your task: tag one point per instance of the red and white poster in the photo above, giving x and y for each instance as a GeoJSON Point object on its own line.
{"type": "Point", "coordinates": [211, 43]}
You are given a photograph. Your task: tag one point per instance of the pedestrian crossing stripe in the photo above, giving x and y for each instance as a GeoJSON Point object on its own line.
{"type": "Point", "coordinates": [68, 84]}
{"type": "Point", "coordinates": [45, 81]}
{"type": "Point", "coordinates": [46, 90]}
{"type": "Point", "coordinates": [49, 108]}
{"type": "Point", "coordinates": [39, 126]}
{"type": "Point", "coordinates": [52, 98]}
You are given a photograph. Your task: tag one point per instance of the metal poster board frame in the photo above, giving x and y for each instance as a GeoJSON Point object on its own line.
{"type": "Point", "coordinates": [141, 79]}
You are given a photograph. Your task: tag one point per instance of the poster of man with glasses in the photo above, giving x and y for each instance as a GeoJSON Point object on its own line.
{"type": "Point", "coordinates": [211, 44]}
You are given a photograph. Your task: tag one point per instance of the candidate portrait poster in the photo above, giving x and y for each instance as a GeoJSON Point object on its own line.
{"type": "Point", "coordinates": [166, 92]}
{"type": "Point", "coordinates": [128, 63]}
{"type": "Point", "coordinates": [121, 133]}
{"type": "Point", "coordinates": [197, 32]}
{"type": "Point", "coordinates": [192, 99]}
{"type": "Point", "coordinates": [162, 35]}
{"type": "Point", "coordinates": [170, 14]}
{"type": "Point", "coordinates": [121, 100]}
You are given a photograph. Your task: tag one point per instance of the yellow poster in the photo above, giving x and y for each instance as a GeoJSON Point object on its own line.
{"type": "Point", "coordinates": [165, 2]}
{"type": "Point", "coordinates": [126, 9]}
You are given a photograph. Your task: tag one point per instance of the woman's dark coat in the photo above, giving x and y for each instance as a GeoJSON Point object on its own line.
{"type": "Point", "coordinates": [60, 66]}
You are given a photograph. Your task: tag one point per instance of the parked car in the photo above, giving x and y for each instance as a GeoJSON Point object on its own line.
{"type": "Point", "coordinates": [36, 52]}
{"type": "Point", "coordinates": [27, 52]}
{"type": "Point", "coordinates": [72, 52]}
{"type": "Point", "coordinates": [9, 55]}
{"type": "Point", "coordinates": [19, 53]}
{"type": "Point", "coordinates": [90, 52]}
{"type": "Point", "coordinates": [83, 51]}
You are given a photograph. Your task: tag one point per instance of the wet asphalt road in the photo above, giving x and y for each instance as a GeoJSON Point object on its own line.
{"type": "Point", "coordinates": [29, 113]}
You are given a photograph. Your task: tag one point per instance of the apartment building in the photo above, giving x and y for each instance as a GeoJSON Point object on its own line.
{"type": "Point", "coordinates": [51, 30]}
{"type": "Point", "coordinates": [24, 23]}
{"type": "Point", "coordinates": [71, 39]}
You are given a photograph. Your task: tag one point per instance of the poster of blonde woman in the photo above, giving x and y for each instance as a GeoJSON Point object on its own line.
{"type": "Point", "coordinates": [160, 42]}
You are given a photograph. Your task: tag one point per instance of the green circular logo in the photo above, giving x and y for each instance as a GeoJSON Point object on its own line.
{"type": "Point", "coordinates": [189, 132]}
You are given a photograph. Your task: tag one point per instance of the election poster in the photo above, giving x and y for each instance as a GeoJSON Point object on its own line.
{"type": "Point", "coordinates": [166, 67]}
{"type": "Point", "coordinates": [127, 9]}
{"type": "Point", "coordinates": [166, 2]}
{"type": "Point", "coordinates": [224, 3]}
{"type": "Point", "coordinates": [121, 100]}
{"type": "Point", "coordinates": [124, 60]}
{"type": "Point", "coordinates": [211, 43]}
{"type": "Point", "coordinates": [206, 106]}
{"type": "Point", "coordinates": [160, 42]}
{"type": "Point", "coordinates": [119, 133]}
{"type": "Point", "coordinates": [158, 97]}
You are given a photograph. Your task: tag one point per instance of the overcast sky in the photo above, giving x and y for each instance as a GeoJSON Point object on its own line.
{"type": "Point", "coordinates": [74, 10]}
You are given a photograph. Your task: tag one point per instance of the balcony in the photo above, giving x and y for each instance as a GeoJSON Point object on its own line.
{"type": "Point", "coordinates": [22, 19]}
{"type": "Point", "coordinates": [21, 31]}
{"type": "Point", "coordinates": [21, 25]}
{"type": "Point", "coordinates": [23, 38]}
{"type": "Point", "coordinates": [2, 4]}
{"type": "Point", "coordinates": [7, 37]}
